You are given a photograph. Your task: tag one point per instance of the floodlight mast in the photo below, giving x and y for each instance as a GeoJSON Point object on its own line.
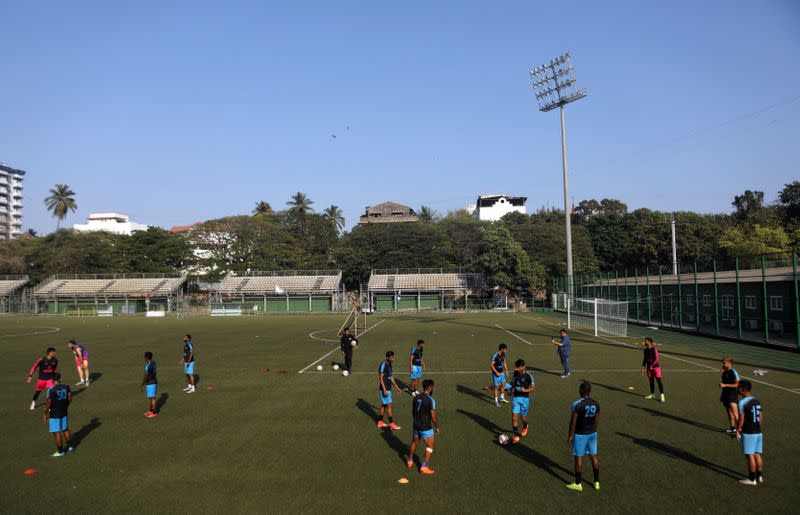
{"type": "Point", "coordinates": [555, 87]}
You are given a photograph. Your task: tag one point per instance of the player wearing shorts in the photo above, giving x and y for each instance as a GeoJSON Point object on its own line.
{"type": "Point", "coordinates": [47, 366]}
{"type": "Point", "coordinates": [426, 426]}
{"type": "Point", "coordinates": [583, 424]}
{"type": "Point", "coordinates": [417, 365]}
{"type": "Point", "coordinates": [748, 431]}
{"type": "Point", "coordinates": [385, 381]}
{"type": "Point", "coordinates": [522, 385]}
{"type": "Point", "coordinates": [498, 367]}
{"type": "Point", "coordinates": [81, 354]}
{"type": "Point", "coordinates": [188, 363]}
{"type": "Point", "coordinates": [651, 365]}
{"type": "Point", "coordinates": [59, 397]}
{"type": "Point", "coordinates": [150, 384]}
{"type": "Point", "coordinates": [729, 395]}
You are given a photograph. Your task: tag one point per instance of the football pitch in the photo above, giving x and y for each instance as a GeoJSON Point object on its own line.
{"type": "Point", "coordinates": [267, 432]}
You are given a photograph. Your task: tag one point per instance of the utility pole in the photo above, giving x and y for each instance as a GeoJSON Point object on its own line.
{"type": "Point", "coordinates": [674, 248]}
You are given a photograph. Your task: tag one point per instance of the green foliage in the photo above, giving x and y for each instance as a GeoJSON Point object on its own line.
{"type": "Point", "coordinates": [761, 240]}
{"type": "Point", "coordinates": [60, 201]}
{"type": "Point", "coordinates": [263, 209]}
{"type": "Point", "coordinates": [428, 215]}
{"type": "Point", "coordinates": [335, 216]}
{"type": "Point", "coordinates": [503, 261]}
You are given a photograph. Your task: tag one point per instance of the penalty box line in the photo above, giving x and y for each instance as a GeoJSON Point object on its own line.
{"type": "Point", "coordinates": [667, 355]}
{"type": "Point", "coordinates": [559, 371]}
{"type": "Point", "coordinates": [336, 348]}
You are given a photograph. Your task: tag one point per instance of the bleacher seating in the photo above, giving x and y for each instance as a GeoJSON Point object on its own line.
{"type": "Point", "coordinates": [292, 284]}
{"type": "Point", "coordinates": [424, 281]}
{"type": "Point", "coordinates": [109, 287]}
{"type": "Point", "coordinates": [11, 284]}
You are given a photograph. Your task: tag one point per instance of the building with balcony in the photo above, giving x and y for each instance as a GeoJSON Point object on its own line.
{"type": "Point", "coordinates": [10, 202]}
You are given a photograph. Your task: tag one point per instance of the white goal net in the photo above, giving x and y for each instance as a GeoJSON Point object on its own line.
{"type": "Point", "coordinates": [600, 316]}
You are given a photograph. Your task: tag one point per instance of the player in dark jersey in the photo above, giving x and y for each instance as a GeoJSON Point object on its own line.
{"type": "Point", "coordinates": [385, 382]}
{"type": "Point", "coordinates": [423, 411]}
{"type": "Point", "coordinates": [497, 365]}
{"type": "Point", "coordinates": [652, 366]}
{"type": "Point", "coordinates": [59, 397]}
{"type": "Point", "coordinates": [748, 431]}
{"type": "Point", "coordinates": [188, 363]}
{"type": "Point", "coordinates": [150, 384]}
{"type": "Point", "coordinates": [348, 343]}
{"type": "Point", "coordinates": [729, 395]}
{"type": "Point", "coordinates": [47, 366]}
{"type": "Point", "coordinates": [522, 385]}
{"type": "Point", "coordinates": [564, 350]}
{"type": "Point", "coordinates": [417, 365]}
{"type": "Point", "coordinates": [583, 424]}
{"type": "Point", "coordinates": [81, 355]}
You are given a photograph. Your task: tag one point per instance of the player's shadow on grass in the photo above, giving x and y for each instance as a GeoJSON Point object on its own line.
{"type": "Point", "coordinates": [521, 451]}
{"type": "Point", "coordinates": [680, 454]}
{"type": "Point", "coordinates": [612, 388]}
{"type": "Point", "coordinates": [162, 401]}
{"type": "Point", "coordinates": [543, 371]}
{"type": "Point", "coordinates": [387, 434]}
{"type": "Point", "coordinates": [80, 434]}
{"type": "Point", "coordinates": [196, 379]}
{"type": "Point", "coordinates": [676, 418]}
{"type": "Point", "coordinates": [95, 376]}
{"type": "Point", "coordinates": [466, 390]}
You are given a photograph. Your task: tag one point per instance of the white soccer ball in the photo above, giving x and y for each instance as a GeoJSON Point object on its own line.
{"type": "Point", "coordinates": [336, 367]}
{"type": "Point", "coordinates": [319, 368]}
{"type": "Point", "coordinates": [502, 439]}
{"type": "Point", "coordinates": [353, 342]}
{"type": "Point", "coordinates": [345, 373]}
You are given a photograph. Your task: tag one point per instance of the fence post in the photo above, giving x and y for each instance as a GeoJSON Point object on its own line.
{"type": "Point", "coordinates": [716, 301]}
{"type": "Point", "coordinates": [636, 292]}
{"type": "Point", "coordinates": [738, 300]}
{"type": "Point", "coordinates": [616, 275]}
{"type": "Point", "coordinates": [696, 300]}
{"type": "Point", "coordinates": [627, 298]}
{"type": "Point", "coordinates": [766, 300]}
{"type": "Point", "coordinates": [661, 295]}
{"type": "Point", "coordinates": [649, 300]}
{"type": "Point", "coordinates": [680, 300]}
{"type": "Point", "coordinates": [796, 300]}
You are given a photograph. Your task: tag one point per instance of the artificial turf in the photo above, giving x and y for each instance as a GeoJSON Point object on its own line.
{"type": "Point", "coordinates": [307, 442]}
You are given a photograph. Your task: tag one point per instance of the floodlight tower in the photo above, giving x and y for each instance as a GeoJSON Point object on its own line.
{"type": "Point", "coordinates": [555, 87]}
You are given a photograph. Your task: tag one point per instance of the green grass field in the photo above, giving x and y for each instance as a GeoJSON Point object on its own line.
{"type": "Point", "coordinates": [307, 442]}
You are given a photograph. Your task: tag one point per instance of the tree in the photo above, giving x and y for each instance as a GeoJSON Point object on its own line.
{"type": "Point", "coordinates": [503, 261]}
{"type": "Point", "coordinates": [336, 217]}
{"type": "Point", "coordinates": [60, 202]}
{"type": "Point", "coordinates": [300, 204]}
{"type": "Point", "coordinates": [789, 198]}
{"type": "Point", "coordinates": [761, 240]}
{"type": "Point", "coordinates": [427, 214]}
{"type": "Point", "coordinates": [263, 209]}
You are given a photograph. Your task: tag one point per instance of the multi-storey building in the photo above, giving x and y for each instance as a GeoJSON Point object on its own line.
{"type": "Point", "coordinates": [10, 202]}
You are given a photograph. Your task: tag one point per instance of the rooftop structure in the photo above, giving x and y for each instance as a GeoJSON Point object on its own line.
{"type": "Point", "coordinates": [116, 223]}
{"type": "Point", "coordinates": [494, 207]}
{"type": "Point", "coordinates": [388, 212]}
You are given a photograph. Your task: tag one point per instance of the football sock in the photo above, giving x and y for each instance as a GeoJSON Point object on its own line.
{"type": "Point", "coordinates": [516, 430]}
{"type": "Point", "coordinates": [596, 475]}
{"type": "Point", "coordinates": [524, 424]}
{"type": "Point", "coordinates": [391, 420]}
{"type": "Point", "coordinates": [652, 386]}
{"type": "Point", "coordinates": [425, 463]}
{"type": "Point", "coordinates": [759, 474]}
{"type": "Point", "coordinates": [577, 478]}
{"type": "Point", "coordinates": [660, 386]}
{"type": "Point", "coordinates": [36, 395]}
{"type": "Point", "coordinates": [752, 476]}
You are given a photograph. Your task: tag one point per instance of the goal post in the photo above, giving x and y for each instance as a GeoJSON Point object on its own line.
{"type": "Point", "coordinates": [599, 316]}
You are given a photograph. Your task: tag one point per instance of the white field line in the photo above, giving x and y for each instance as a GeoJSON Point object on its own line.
{"type": "Point", "coordinates": [515, 335]}
{"type": "Point", "coordinates": [336, 348]}
{"type": "Point", "coordinates": [32, 333]}
{"type": "Point", "coordinates": [559, 371]}
{"type": "Point", "coordinates": [668, 356]}
{"type": "Point", "coordinates": [311, 335]}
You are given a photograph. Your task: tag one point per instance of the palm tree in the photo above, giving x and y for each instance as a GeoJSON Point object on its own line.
{"type": "Point", "coordinates": [334, 214]}
{"type": "Point", "coordinates": [427, 214]}
{"type": "Point", "coordinates": [262, 208]}
{"type": "Point", "coordinates": [300, 204]}
{"type": "Point", "coordinates": [60, 201]}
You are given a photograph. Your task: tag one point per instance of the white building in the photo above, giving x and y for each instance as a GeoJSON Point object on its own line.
{"type": "Point", "coordinates": [110, 222]}
{"type": "Point", "coordinates": [494, 207]}
{"type": "Point", "coordinates": [10, 202]}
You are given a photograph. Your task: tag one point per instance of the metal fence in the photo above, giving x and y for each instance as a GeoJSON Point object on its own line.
{"type": "Point", "coordinates": [754, 298]}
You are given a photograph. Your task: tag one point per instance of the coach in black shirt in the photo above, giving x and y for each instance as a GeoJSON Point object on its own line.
{"type": "Point", "coordinates": [348, 343]}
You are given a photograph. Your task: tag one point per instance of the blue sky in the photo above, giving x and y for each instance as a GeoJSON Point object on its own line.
{"type": "Point", "coordinates": [196, 110]}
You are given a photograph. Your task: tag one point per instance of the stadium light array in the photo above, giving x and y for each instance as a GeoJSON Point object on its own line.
{"type": "Point", "coordinates": [555, 87]}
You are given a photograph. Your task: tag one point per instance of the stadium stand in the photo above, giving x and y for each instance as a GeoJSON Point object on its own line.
{"type": "Point", "coordinates": [118, 293]}
{"type": "Point", "coordinates": [11, 292]}
{"type": "Point", "coordinates": [398, 289]}
{"type": "Point", "coordinates": [279, 291]}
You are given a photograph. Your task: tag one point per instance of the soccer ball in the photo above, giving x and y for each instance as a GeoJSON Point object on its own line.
{"type": "Point", "coordinates": [502, 439]}
{"type": "Point", "coordinates": [336, 367]}
{"type": "Point", "coordinates": [345, 373]}
{"type": "Point", "coordinates": [353, 342]}
{"type": "Point", "coordinates": [319, 368]}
